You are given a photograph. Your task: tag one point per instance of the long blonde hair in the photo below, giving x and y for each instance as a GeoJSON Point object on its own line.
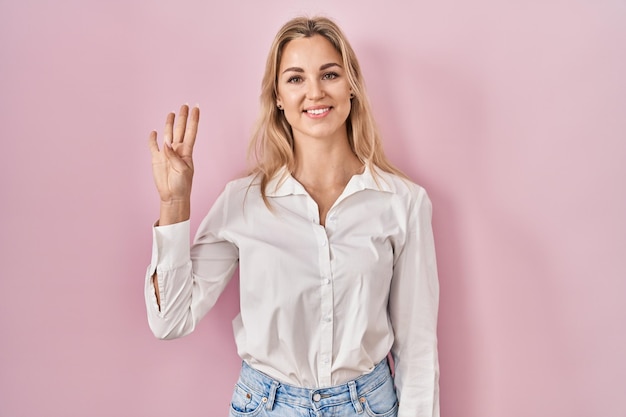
{"type": "Point", "coordinates": [272, 145]}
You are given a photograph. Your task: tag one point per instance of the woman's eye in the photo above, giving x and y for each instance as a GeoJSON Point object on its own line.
{"type": "Point", "coordinates": [330, 76]}
{"type": "Point", "coordinates": [295, 79]}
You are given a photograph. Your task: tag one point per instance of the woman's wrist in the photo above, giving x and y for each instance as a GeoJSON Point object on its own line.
{"type": "Point", "coordinates": [175, 211]}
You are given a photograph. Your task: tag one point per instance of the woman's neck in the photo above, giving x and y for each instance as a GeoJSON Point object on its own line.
{"type": "Point", "coordinates": [325, 163]}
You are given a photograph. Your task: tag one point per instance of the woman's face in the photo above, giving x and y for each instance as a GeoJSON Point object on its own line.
{"type": "Point", "coordinates": [313, 89]}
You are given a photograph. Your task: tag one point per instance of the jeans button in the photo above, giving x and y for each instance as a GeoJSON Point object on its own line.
{"type": "Point", "coordinates": [317, 397]}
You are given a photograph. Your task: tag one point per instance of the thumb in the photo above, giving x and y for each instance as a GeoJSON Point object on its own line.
{"type": "Point", "coordinates": [174, 159]}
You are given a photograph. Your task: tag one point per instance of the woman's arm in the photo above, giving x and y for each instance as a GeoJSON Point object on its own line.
{"type": "Point", "coordinates": [413, 308]}
{"type": "Point", "coordinates": [172, 169]}
{"type": "Point", "coordinates": [189, 278]}
{"type": "Point", "coordinates": [183, 283]}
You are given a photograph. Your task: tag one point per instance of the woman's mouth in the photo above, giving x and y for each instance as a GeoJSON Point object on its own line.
{"type": "Point", "coordinates": [318, 112]}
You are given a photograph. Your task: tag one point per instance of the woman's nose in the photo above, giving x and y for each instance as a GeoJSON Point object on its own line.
{"type": "Point", "coordinates": [315, 90]}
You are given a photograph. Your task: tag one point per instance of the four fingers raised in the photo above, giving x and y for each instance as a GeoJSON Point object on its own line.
{"type": "Point", "coordinates": [183, 132]}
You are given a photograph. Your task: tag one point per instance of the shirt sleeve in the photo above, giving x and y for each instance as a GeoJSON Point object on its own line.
{"type": "Point", "coordinates": [413, 308]}
{"type": "Point", "coordinates": [190, 278]}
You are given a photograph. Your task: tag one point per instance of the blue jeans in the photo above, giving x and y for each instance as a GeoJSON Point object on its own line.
{"type": "Point", "coordinates": [257, 394]}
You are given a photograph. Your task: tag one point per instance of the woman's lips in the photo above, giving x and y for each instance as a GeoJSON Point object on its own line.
{"type": "Point", "coordinates": [317, 112]}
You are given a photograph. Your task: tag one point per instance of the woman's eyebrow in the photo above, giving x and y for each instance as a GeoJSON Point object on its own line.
{"type": "Point", "coordinates": [293, 69]}
{"type": "Point", "coordinates": [322, 68]}
{"type": "Point", "coordinates": [329, 65]}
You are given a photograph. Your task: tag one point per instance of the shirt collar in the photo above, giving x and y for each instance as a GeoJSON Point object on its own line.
{"type": "Point", "coordinates": [283, 184]}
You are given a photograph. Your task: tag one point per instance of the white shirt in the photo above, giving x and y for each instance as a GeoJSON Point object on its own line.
{"type": "Point", "coordinates": [319, 305]}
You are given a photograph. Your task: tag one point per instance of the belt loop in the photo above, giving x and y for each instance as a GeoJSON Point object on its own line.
{"type": "Point", "coordinates": [272, 396]}
{"type": "Point", "coordinates": [355, 397]}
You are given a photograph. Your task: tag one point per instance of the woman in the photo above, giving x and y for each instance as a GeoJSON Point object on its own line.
{"type": "Point", "coordinates": [334, 245]}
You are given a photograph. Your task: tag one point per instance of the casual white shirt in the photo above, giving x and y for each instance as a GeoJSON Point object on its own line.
{"type": "Point", "coordinates": [320, 305]}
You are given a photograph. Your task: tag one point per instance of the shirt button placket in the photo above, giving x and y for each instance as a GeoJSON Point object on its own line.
{"type": "Point", "coordinates": [327, 312]}
{"type": "Point", "coordinates": [326, 340]}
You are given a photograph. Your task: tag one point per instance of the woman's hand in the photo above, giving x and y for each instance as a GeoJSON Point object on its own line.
{"type": "Point", "coordinates": [172, 165]}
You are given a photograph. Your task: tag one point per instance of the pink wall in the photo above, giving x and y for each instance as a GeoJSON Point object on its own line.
{"type": "Point", "coordinates": [513, 117]}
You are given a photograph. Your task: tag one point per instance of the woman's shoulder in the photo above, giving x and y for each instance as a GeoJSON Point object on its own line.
{"type": "Point", "coordinates": [398, 184]}
{"type": "Point", "coordinates": [242, 182]}
{"type": "Point", "coordinates": [240, 187]}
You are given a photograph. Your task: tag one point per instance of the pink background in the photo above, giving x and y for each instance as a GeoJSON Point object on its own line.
{"type": "Point", "coordinates": [513, 117]}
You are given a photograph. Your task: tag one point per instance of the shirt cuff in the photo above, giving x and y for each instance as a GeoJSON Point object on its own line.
{"type": "Point", "coordinates": [170, 246]}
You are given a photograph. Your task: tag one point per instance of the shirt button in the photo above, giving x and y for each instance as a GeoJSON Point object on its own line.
{"type": "Point", "coordinates": [317, 397]}
{"type": "Point", "coordinates": [324, 243]}
{"type": "Point", "coordinates": [328, 319]}
{"type": "Point", "coordinates": [327, 281]}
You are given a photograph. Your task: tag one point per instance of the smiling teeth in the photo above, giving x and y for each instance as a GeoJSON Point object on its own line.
{"type": "Point", "coordinates": [317, 111]}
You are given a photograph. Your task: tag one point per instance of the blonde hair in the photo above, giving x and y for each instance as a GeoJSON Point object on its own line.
{"type": "Point", "coordinates": [272, 145]}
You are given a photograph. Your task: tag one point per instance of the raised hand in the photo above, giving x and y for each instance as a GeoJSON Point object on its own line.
{"type": "Point", "coordinates": [172, 164]}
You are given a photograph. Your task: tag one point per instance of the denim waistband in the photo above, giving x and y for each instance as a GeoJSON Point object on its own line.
{"type": "Point", "coordinates": [314, 398]}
